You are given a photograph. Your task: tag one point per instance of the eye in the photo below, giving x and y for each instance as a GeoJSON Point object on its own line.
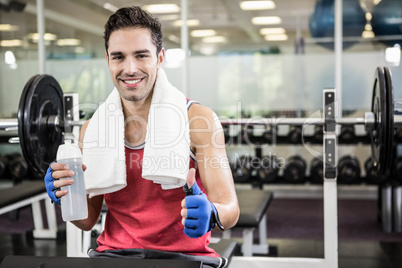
{"type": "Point", "coordinates": [141, 56]}
{"type": "Point", "coordinates": [117, 57]}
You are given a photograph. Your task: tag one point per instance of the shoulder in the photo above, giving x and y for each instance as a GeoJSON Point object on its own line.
{"type": "Point", "coordinates": [199, 116]}
{"type": "Point", "coordinates": [205, 126]}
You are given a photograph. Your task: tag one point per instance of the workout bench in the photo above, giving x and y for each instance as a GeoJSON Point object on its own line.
{"type": "Point", "coordinates": [31, 193]}
{"type": "Point", "coordinates": [253, 205]}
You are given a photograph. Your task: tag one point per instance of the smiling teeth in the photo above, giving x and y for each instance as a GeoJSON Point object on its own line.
{"type": "Point", "coordinates": [132, 82]}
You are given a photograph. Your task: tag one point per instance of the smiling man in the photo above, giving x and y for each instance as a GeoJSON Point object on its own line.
{"type": "Point", "coordinates": [143, 217]}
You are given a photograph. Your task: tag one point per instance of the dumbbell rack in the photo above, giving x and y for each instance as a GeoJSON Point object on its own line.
{"type": "Point", "coordinates": [330, 259]}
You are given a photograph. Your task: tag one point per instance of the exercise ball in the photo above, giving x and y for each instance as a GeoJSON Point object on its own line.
{"type": "Point", "coordinates": [387, 20]}
{"type": "Point", "coordinates": [322, 21]}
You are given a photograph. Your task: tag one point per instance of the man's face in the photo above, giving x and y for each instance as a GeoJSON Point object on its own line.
{"type": "Point", "coordinates": [133, 63]}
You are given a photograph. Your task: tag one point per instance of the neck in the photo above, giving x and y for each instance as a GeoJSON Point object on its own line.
{"type": "Point", "coordinates": [137, 108]}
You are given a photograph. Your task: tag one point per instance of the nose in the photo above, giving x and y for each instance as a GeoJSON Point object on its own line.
{"type": "Point", "coordinates": [130, 66]}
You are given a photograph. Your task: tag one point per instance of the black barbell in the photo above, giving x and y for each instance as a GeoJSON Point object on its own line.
{"type": "Point", "coordinates": [41, 121]}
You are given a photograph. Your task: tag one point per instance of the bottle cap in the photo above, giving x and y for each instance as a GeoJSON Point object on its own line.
{"type": "Point", "coordinates": [68, 150]}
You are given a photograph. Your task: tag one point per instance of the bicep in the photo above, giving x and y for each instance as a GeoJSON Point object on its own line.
{"type": "Point", "coordinates": [208, 140]}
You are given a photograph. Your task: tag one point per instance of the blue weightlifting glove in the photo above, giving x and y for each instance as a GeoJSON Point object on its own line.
{"type": "Point", "coordinates": [202, 215]}
{"type": "Point", "coordinates": [51, 190]}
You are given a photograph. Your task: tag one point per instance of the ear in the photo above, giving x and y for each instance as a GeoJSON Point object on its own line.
{"type": "Point", "coordinates": [161, 57]}
{"type": "Point", "coordinates": [107, 57]}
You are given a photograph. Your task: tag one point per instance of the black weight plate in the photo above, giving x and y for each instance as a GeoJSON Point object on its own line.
{"type": "Point", "coordinates": [389, 139]}
{"type": "Point", "coordinates": [42, 97]}
{"type": "Point", "coordinates": [380, 132]}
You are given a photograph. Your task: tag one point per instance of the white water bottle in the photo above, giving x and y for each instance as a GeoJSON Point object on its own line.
{"type": "Point", "coordinates": [74, 204]}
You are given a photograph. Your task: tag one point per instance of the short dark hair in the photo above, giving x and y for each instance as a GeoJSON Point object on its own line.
{"type": "Point", "coordinates": [134, 17]}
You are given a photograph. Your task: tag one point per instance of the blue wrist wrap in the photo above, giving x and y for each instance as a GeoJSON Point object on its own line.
{"type": "Point", "coordinates": [51, 190]}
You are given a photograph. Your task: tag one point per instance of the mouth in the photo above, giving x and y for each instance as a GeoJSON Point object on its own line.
{"type": "Point", "coordinates": [132, 82]}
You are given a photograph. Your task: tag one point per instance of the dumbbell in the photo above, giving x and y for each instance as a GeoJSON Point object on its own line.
{"type": "Point", "coordinates": [371, 174]}
{"type": "Point", "coordinates": [295, 170]}
{"type": "Point", "coordinates": [267, 135]}
{"type": "Point", "coordinates": [318, 134]}
{"type": "Point", "coordinates": [295, 134]}
{"type": "Point", "coordinates": [316, 171]}
{"type": "Point", "coordinates": [242, 168]}
{"type": "Point", "coordinates": [348, 169]}
{"type": "Point", "coordinates": [17, 167]}
{"type": "Point", "coordinates": [268, 169]}
{"type": "Point", "coordinates": [3, 166]}
{"type": "Point", "coordinates": [246, 134]}
{"type": "Point", "coordinates": [347, 134]}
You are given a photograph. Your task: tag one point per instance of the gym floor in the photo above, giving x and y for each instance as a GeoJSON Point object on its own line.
{"type": "Point", "coordinates": [289, 234]}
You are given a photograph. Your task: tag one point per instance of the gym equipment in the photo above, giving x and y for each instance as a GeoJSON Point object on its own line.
{"type": "Point", "coordinates": [316, 171]}
{"type": "Point", "coordinates": [348, 169]}
{"type": "Point", "coordinates": [267, 135]}
{"type": "Point", "coordinates": [242, 168]}
{"type": "Point", "coordinates": [40, 109]}
{"type": "Point", "coordinates": [347, 134]}
{"type": "Point", "coordinates": [41, 121]}
{"type": "Point", "coordinates": [295, 170]}
{"type": "Point", "coordinates": [31, 193]}
{"type": "Point", "coordinates": [317, 136]}
{"type": "Point", "coordinates": [18, 168]}
{"type": "Point", "coordinates": [380, 123]}
{"type": "Point", "coordinates": [371, 174]}
{"type": "Point", "coordinates": [268, 170]}
{"type": "Point", "coordinates": [387, 21]}
{"type": "Point", "coordinates": [322, 21]}
{"type": "Point", "coordinates": [253, 206]}
{"type": "Point", "coordinates": [295, 134]}
{"type": "Point", "coordinates": [3, 166]}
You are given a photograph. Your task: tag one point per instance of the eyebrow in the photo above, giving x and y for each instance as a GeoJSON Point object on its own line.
{"type": "Point", "coordinates": [142, 51]}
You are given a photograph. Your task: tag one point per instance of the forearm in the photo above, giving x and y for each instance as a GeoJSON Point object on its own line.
{"type": "Point", "coordinates": [94, 208]}
{"type": "Point", "coordinates": [228, 214]}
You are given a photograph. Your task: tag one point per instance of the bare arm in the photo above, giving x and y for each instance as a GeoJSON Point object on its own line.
{"type": "Point", "coordinates": [208, 140]}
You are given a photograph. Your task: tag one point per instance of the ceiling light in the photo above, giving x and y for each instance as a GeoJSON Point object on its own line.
{"type": "Point", "coordinates": [266, 20]}
{"type": "Point", "coordinates": [214, 39]}
{"type": "Point", "coordinates": [190, 23]}
{"type": "Point", "coordinates": [257, 5]}
{"type": "Point", "coordinates": [265, 31]}
{"type": "Point", "coordinates": [203, 33]}
{"type": "Point", "coordinates": [68, 42]}
{"type": "Point", "coordinates": [174, 38]}
{"type": "Point", "coordinates": [11, 43]}
{"type": "Point", "coordinates": [368, 34]}
{"type": "Point", "coordinates": [110, 7]}
{"type": "Point", "coordinates": [276, 37]}
{"type": "Point", "coordinates": [46, 37]}
{"type": "Point", "coordinates": [8, 28]}
{"type": "Point", "coordinates": [162, 8]}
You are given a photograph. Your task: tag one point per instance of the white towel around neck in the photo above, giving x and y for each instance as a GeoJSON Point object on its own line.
{"type": "Point", "coordinates": [167, 144]}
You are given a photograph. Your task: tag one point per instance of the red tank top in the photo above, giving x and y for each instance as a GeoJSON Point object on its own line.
{"type": "Point", "coordinates": [142, 215]}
